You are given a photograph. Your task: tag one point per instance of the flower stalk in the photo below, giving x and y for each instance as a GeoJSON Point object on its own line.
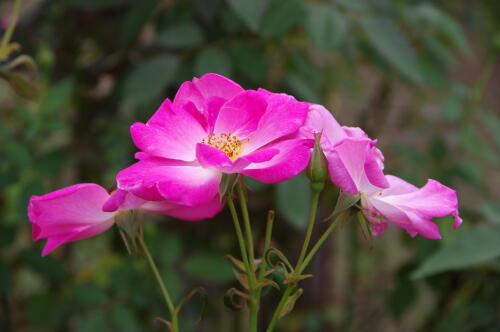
{"type": "Point", "coordinates": [4, 45]}
{"type": "Point", "coordinates": [174, 324]}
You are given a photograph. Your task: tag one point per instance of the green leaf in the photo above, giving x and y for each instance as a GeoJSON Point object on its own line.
{"type": "Point", "coordinates": [20, 85]}
{"type": "Point", "coordinates": [89, 295]}
{"type": "Point", "coordinates": [45, 312]}
{"type": "Point", "coordinates": [209, 267]}
{"type": "Point", "coordinates": [385, 37]}
{"type": "Point", "coordinates": [251, 12]}
{"type": "Point", "coordinates": [124, 319]}
{"type": "Point", "coordinates": [167, 247]}
{"type": "Point", "coordinates": [58, 96]}
{"type": "Point", "coordinates": [354, 5]}
{"type": "Point", "coordinates": [149, 79]}
{"type": "Point", "coordinates": [181, 35]}
{"type": "Point", "coordinates": [17, 153]}
{"type": "Point", "coordinates": [325, 26]}
{"type": "Point", "coordinates": [94, 4]}
{"type": "Point", "coordinates": [136, 18]}
{"type": "Point", "coordinates": [249, 61]}
{"type": "Point", "coordinates": [492, 123]}
{"type": "Point", "coordinates": [429, 14]}
{"type": "Point", "coordinates": [293, 200]}
{"type": "Point", "coordinates": [48, 267]}
{"type": "Point", "coordinates": [452, 108]}
{"type": "Point", "coordinates": [213, 60]}
{"type": "Point", "coordinates": [94, 321]}
{"type": "Point", "coordinates": [280, 17]}
{"type": "Point", "coordinates": [476, 247]}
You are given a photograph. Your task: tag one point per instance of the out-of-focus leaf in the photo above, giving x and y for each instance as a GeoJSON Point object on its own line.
{"type": "Point", "coordinates": [181, 35]}
{"type": "Point", "coordinates": [124, 319]}
{"type": "Point", "coordinates": [48, 267]}
{"type": "Point", "coordinates": [136, 17]}
{"type": "Point", "coordinates": [491, 211]}
{"type": "Point", "coordinates": [293, 200]}
{"type": "Point", "coordinates": [439, 50]}
{"type": "Point", "coordinates": [354, 5]}
{"type": "Point", "coordinates": [94, 321]}
{"type": "Point", "coordinates": [208, 10]}
{"type": "Point", "coordinates": [478, 246]}
{"type": "Point", "coordinates": [17, 153]}
{"type": "Point", "coordinates": [213, 60]}
{"type": "Point", "coordinates": [251, 12]}
{"type": "Point", "coordinates": [58, 96]}
{"type": "Point", "coordinates": [438, 149]}
{"type": "Point", "coordinates": [209, 267]}
{"type": "Point", "coordinates": [167, 247]}
{"type": "Point", "coordinates": [23, 87]}
{"type": "Point", "coordinates": [385, 36]}
{"type": "Point", "coordinates": [491, 122]}
{"type": "Point", "coordinates": [89, 295]}
{"type": "Point", "coordinates": [45, 312]}
{"type": "Point", "coordinates": [94, 4]}
{"type": "Point", "coordinates": [472, 142]}
{"type": "Point", "coordinates": [280, 16]}
{"type": "Point", "coordinates": [325, 26]}
{"type": "Point", "coordinates": [249, 61]}
{"type": "Point", "coordinates": [452, 108]}
{"type": "Point", "coordinates": [301, 88]}
{"type": "Point", "coordinates": [404, 294]}
{"type": "Point", "coordinates": [429, 14]}
{"type": "Point", "coordinates": [148, 80]}
{"type": "Point", "coordinates": [5, 279]}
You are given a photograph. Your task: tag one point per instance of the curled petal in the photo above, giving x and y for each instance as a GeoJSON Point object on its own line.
{"type": "Point", "coordinates": [69, 214]}
{"type": "Point", "coordinates": [241, 114]}
{"type": "Point", "coordinates": [293, 158]}
{"type": "Point", "coordinates": [353, 166]}
{"type": "Point", "coordinates": [413, 209]}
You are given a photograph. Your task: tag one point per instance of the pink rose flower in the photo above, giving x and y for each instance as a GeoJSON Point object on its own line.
{"type": "Point", "coordinates": [84, 210]}
{"type": "Point", "coordinates": [356, 166]}
{"type": "Point", "coordinates": [213, 127]}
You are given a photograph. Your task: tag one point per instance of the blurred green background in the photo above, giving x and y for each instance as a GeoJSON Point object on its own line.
{"type": "Point", "coordinates": [421, 76]}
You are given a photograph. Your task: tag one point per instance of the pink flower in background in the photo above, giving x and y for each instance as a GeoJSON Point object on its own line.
{"type": "Point", "coordinates": [411, 208]}
{"type": "Point", "coordinates": [356, 166]}
{"type": "Point", "coordinates": [4, 22]}
{"type": "Point", "coordinates": [84, 210]}
{"type": "Point", "coordinates": [353, 159]}
{"type": "Point", "coordinates": [212, 127]}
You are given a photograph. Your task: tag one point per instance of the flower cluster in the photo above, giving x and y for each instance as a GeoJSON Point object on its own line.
{"type": "Point", "coordinates": [215, 127]}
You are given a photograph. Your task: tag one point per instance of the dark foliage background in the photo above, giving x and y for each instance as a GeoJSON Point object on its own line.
{"type": "Point", "coordinates": [421, 76]}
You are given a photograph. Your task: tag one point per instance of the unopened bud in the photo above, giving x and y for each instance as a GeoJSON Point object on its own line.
{"type": "Point", "coordinates": [317, 171]}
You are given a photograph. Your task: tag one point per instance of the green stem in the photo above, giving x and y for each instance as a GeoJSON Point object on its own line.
{"type": "Point", "coordinates": [239, 233]}
{"type": "Point", "coordinates": [166, 296]}
{"type": "Point", "coordinates": [320, 242]}
{"type": "Point", "coordinates": [248, 268]}
{"type": "Point", "coordinates": [300, 268]}
{"type": "Point", "coordinates": [310, 226]}
{"type": "Point", "coordinates": [12, 24]}
{"type": "Point", "coordinates": [246, 222]}
{"type": "Point", "coordinates": [254, 301]}
{"type": "Point", "coordinates": [267, 243]}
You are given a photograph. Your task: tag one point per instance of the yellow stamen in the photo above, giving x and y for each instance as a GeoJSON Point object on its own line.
{"type": "Point", "coordinates": [231, 145]}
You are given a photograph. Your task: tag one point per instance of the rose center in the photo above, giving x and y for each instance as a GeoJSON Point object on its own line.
{"type": "Point", "coordinates": [230, 144]}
